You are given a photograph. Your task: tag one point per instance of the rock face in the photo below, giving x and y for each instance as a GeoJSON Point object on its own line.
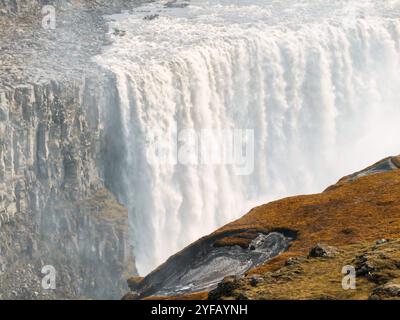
{"type": "Point", "coordinates": [20, 7]}
{"type": "Point", "coordinates": [58, 155]}
{"type": "Point", "coordinates": [202, 265]}
{"type": "Point", "coordinates": [54, 207]}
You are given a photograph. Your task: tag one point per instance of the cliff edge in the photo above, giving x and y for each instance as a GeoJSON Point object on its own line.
{"type": "Point", "coordinates": [355, 223]}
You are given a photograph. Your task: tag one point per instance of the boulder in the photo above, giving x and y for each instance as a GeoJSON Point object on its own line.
{"type": "Point", "coordinates": [363, 265]}
{"type": "Point", "coordinates": [224, 288]}
{"type": "Point", "coordinates": [390, 290]}
{"type": "Point", "coordinates": [255, 280]}
{"type": "Point", "coordinates": [322, 251]}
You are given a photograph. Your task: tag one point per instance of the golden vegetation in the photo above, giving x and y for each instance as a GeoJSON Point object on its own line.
{"type": "Point", "coordinates": [321, 278]}
{"type": "Point", "coordinates": [365, 209]}
{"type": "Point", "coordinates": [350, 215]}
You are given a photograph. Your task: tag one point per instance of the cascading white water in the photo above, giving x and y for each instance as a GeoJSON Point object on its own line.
{"type": "Point", "coordinates": [317, 81]}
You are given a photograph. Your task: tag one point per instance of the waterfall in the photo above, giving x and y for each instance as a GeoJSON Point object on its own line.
{"type": "Point", "coordinates": [316, 83]}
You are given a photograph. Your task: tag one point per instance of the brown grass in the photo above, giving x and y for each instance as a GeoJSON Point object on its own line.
{"type": "Point", "coordinates": [350, 215]}
{"type": "Point", "coordinates": [321, 278]}
{"type": "Point", "coordinates": [363, 210]}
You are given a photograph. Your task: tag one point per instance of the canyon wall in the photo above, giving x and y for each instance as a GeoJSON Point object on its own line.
{"type": "Point", "coordinates": [59, 155]}
{"type": "Point", "coordinates": [54, 207]}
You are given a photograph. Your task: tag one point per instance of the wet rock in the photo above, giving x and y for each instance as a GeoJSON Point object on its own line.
{"type": "Point", "coordinates": [50, 163]}
{"type": "Point", "coordinates": [50, 178]}
{"type": "Point", "coordinates": [201, 266]}
{"type": "Point", "coordinates": [176, 4]}
{"type": "Point", "coordinates": [118, 32]}
{"type": "Point", "coordinates": [322, 251]}
{"type": "Point", "coordinates": [3, 115]}
{"type": "Point", "coordinates": [151, 17]}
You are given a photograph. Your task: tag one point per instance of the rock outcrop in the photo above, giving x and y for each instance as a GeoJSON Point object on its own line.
{"type": "Point", "coordinates": [54, 207]}
{"type": "Point", "coordinates": [20, 7]}
{"type": "Point", "coordinates": [358, 222]}
{"type": "Point", "coordinates": [203, 264]}
{"type": "Point", "coordinates": [322, 251]}
{"type": "Point", "coordinates": [57, 156]}
{"type": "Point", "coordinates": [389, 290]}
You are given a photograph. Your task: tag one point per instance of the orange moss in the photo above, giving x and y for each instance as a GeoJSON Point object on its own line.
{"type": "Point", "coordinates": [362, 210]}
{"type": "Point", "coordinates": [353, 211]}
{"type": "Point", "coordinates": [242, 239]}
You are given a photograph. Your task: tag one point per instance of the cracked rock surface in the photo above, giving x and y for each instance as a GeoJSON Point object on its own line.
{"type": "Point", "coordinates": [55, 206]}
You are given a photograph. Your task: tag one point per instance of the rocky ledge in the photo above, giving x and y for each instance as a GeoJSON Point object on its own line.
{"type": "Point", "coordinates": [354, 224]}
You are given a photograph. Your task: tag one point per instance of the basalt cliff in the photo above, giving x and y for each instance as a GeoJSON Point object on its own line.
{"type": "Point", "coordinates": [301, 247]}
{"type": "Point", "coordinates": [56, 207]}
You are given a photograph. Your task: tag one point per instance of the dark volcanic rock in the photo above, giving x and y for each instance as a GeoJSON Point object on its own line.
{"type": "Point", "coordinates": [224, 288]}
{"type": "Point", "coordinates": [201, 266]}
{"type": "Point", "coordinates": [379, 264]}
{"type": "Point", "coordinates": [55, 208]}
{"type": "Point", "coordinates": [363, 265]}
{"type": "Point", "coordinates": [255, 280]}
